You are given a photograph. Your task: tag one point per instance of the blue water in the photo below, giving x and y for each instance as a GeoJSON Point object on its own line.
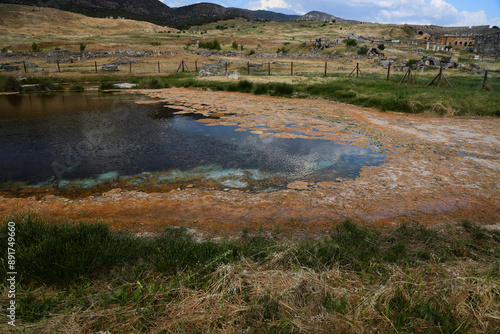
{"type": "Point", "coordinates": [91, 136]}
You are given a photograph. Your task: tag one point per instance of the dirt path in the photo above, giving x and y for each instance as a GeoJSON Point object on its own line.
{"type": "Point", "coordinates": [438, 170]}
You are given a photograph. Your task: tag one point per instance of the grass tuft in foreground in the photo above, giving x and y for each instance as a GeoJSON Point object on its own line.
{"type": "Point", "coordinates": [83, 277]}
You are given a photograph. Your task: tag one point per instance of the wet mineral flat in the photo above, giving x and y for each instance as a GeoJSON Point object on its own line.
{"type": "Point", "coordinates": [437, 170]}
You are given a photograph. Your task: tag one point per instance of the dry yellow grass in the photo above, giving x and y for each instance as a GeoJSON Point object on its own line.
{"type": "Point", "coordinates": [35, 21]}
{"type": "Point", "coordinates": [251, 297]}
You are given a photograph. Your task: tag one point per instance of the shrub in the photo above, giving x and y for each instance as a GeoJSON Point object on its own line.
{"type": "Point", "coordinates": [410, 62]}
{"type": "Point", "coordinates": [363, 50]}
{"type": "Point", "coordinates": [351, 42]}
{"type": "Point", "coordinates": [150, 83]}
{"type": "Point", "coordinates": [106, 86]}
{"type": "Point", "coordinates": [213, 45]}
{"type": "Point", "coordinates": [77, 88]}
{"type": "Point", "coordinates": [235, 45]}
{"type": "Point", "coordinates": [47, 85]}
{"type": "Point", "coordinates": [35, 48]}
{"type": "Point", "coordinates": [82, 47]}
{"type": "Point", "coordinates": [381, 47]}
{"type": "Point", "coordinates": [11, 84]}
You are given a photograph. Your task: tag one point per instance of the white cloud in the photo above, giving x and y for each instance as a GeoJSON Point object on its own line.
{"type": "Point", "coordinates": [268, 4]}
{"type": "Point", "coordinates": [438, 12]}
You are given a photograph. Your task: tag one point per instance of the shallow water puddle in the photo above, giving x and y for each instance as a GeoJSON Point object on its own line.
{"type": "Point", "coordinates": [90, 139]}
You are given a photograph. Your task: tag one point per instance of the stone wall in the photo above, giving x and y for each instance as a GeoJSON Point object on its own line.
{"type": "Point", "coordinates": [439, 32]}
{"type": "Point", "coordinates": [489, 43]}
{"type": "Point", "coordinates": [459, 41]}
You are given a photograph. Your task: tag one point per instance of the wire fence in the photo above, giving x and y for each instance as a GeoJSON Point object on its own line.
{"type": "Point", "coordinates": [248, 67]}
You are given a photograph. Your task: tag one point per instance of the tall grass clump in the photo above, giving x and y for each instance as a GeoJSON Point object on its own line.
{"type": "Point", "coordinates": [348, 245]}
{"type": "Point", "coordinates": [48, 85]}
{"type": "Point", "coordinates": [150, 83]}
{"type": "Point", "coordinates": [77, 88]}
{"type": "Point", "coordinates": [10, 84]}
{"type": "Point", "coordinates": [176, 250]}
{"type": "Point", "coordinates": [261, 89]}
{"type": "Point", "coordinates": [106, 86]}
{"type": "Point", "coordinates": [245, 86]}
{"type": "Point", "coordinates": [53, 252]}
{"type": "Point", "coordinates": [283, 89]}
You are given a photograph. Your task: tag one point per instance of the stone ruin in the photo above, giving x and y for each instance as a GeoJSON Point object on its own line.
{"type": "Point", "coordinates": [375, 52]}
{"type": "Point", "coordinates": [213, 69]}
{"type": "Point", "coordinates": [321, 44]}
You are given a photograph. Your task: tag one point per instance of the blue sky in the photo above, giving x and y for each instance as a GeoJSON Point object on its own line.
{"type": "Point", "coordinates": [438, 12]}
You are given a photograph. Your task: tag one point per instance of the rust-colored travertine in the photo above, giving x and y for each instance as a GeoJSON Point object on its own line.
{"type": "Point", "coordinates": [437, 170]}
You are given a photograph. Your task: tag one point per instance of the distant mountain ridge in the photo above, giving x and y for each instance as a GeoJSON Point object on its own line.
{"type": "Point", "coordinates": [320, 16]}
{"type": "Point", "coordinates": [273, 16]}
{"type": "Point", "coordinates": [205, 9]}
{"type": "Point", "coordinates": [157, 12]}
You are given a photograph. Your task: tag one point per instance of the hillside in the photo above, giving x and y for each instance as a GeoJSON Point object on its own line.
{"type": "Point", "coordinates": [320, 16]}
{"type": "Point", "coordinates": [157, 12]}
{"type": "Point", "coordinates": [205, 9]}
{"type": "Point", "coordinates": [274, 16]}
{"type": "Point", "coordinates": [27, 20]}
{"type": "Point", "coordinates": [153, 11]}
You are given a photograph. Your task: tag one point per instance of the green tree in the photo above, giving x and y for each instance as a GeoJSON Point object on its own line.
{"type": "Point", "coordinates": [34, 47]}
{"type": "Point", "coordinates": [363, 50]}
{"type": "Point", "coordinates": [82, 47]}
{"type": "Point", "coordinates": [235, 45]}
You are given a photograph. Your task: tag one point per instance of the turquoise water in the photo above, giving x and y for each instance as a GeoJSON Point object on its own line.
{"type": "Point", "coordinates": [87, 139]}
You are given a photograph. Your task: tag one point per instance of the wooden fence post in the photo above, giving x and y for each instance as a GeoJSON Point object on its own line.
{"type": "Point", "coordinates": [269, 68]}
{"type": "Point", "coordinates": [248, 68]}
{"type": "Point", "coordinates": [440, 75]}
{"type": "Point", "coordinates": [158, 66]}
{"type": "Point", "coordinates": [291, 69]}
{"type": "Point", "coordinates": [388, 71]}
{"type": "Point", "coordinates": [58, 68]}
{"type": "Point", "coordinates": [95, 66]}
{"type": "Point", "coordinates": [24, 64]}
{"type": "Point", "coordinates": [485, 81]}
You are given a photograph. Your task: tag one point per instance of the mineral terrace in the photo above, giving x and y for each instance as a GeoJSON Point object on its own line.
{"type": "Point", "coordinates": [438, 170]}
